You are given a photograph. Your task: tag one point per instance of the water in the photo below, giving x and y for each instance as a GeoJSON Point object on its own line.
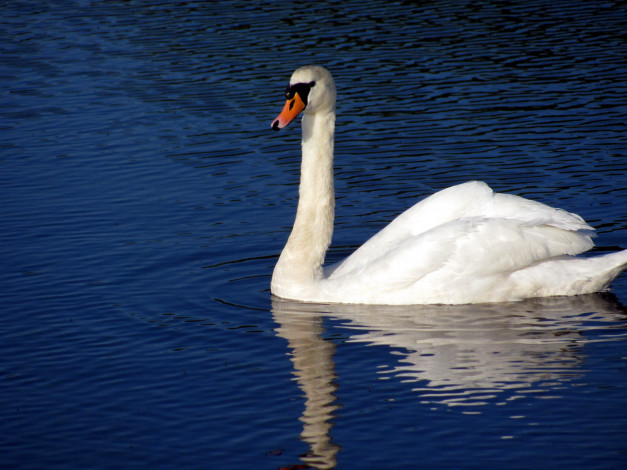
{"type": "Point", "coordinates": [145, 201]}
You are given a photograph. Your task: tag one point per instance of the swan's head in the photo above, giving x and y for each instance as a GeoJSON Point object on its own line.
{"type": "Point", "coordinates": [311, 90]}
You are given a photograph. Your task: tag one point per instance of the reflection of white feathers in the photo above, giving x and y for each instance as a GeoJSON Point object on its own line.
{"type": "Point", "coordinates": [464, 355]}
{"type": "Point", "coordinates": [465, 244]}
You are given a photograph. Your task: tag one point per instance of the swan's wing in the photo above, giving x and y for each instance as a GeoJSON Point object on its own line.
{"type": "Point", "coordinates": [469, 214]}
{"type": "Point", "coordinates": [463, 254]}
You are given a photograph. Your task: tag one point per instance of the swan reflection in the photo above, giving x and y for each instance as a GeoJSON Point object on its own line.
{"type": "Point", "coordinates": [468, 355]}
{"type": "Point", "coordinates": [315, 372]}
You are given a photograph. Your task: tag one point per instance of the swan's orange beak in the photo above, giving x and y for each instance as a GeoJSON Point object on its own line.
{"type": "Point", "coordinates": [291, 109]}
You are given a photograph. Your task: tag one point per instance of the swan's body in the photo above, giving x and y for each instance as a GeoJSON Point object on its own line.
{"type": "Point", "coordinates": [465, 244]}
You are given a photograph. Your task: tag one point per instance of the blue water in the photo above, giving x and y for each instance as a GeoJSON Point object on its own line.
{"type": "Point", "coordinates": [145, 200]}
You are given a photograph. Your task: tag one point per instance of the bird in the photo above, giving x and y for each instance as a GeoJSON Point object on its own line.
{"type": "Point", "coordinates": [465, 244]}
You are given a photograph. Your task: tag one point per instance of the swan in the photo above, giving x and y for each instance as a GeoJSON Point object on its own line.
{"type": "Point", "coordinates": [462, 245]}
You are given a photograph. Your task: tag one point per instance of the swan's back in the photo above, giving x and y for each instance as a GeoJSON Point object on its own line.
{"type": "Point", "coordinates": [464, 244]}
{"type": "Point", "coordinates": [467, 205]}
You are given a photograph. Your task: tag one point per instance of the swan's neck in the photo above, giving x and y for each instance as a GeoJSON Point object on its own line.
{"type": "Point", "coordinates": [301, 260]}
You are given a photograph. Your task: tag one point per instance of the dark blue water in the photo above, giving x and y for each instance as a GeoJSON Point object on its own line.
{"type": "Point", "coordinates": [144, 202]}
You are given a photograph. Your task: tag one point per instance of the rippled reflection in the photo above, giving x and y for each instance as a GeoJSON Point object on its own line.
{"type": "Point", "coordinates": [315, 371]}
{"type": "Point", "coordinates": [469, 355]}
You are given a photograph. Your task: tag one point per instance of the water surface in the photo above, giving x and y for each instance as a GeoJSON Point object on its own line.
{"type": "Point", "coordinates": [145, 201]}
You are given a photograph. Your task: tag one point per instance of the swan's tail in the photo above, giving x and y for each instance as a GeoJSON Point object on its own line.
{"type": "Point", "coordinates": [610, 266]}
{"type": "Point", "coordinates": [573, 276]}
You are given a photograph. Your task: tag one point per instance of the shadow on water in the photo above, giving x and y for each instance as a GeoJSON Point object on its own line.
{"type": "Point", "coordinates": [467, 356]}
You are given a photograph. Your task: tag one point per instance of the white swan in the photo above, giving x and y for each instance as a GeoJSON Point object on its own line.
{"type": "Point", "coordinates": [464, 244]}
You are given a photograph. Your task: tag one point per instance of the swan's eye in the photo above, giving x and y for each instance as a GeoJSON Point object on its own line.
{"type": "Point", "coordinates": [301, 88]}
